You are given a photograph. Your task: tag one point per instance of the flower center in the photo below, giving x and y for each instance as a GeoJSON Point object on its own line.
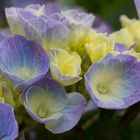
{"type": "Point", "coordinates": [42, 113]}
{"type": "Point", "coordinates": [103, 88]}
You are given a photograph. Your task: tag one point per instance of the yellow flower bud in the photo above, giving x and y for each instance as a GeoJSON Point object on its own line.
{"type": "Point", "coordinates": [99, 46]}
{"type": "Point", "coordinates": [123, 36]}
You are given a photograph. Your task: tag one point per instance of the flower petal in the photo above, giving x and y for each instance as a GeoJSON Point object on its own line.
{"type": "Point", "coordinates": [137, 4]}
{"type": "Point", "coordinates": [70, 115]}
{"type": "Point", "coordinates": [22, 59]}
{"type": "Point", "coordinates": [8, 124]}
{"type": "Point", "coordinates": [47, 93]}
{"type": "Point", "coordinates": [13, 20]}
{"type": "Point", "coordinates": [112, 82]}
{"type": "Point", "coordinates": [65, 71]}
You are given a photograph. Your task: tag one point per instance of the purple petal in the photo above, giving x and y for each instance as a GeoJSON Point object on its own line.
{"type": "Point", "coordinates": [61, 112]}
{"type": "Point", "coordinates": [70, 115]}
{"type": "Point", "coordinates": [22, 59]}
{"type": "Point", "coordinates": [77, 17]}
{"type": "Point", "coordinates": [137, 4]}
{"type": "Point", "coordinates": [25, 2]}
{"type": "Point", "coordinates": [50, 33]}
{"type": "Point", "coordinates": [8, 124]}
{"type": "Point", "coordinates": [119, 81]}
{"type": "Point", "coordinates": [120, 47]}
{"type": "Point", "coordinates": [13, 20]}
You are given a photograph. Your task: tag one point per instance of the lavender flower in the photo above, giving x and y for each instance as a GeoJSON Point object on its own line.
{"type": "Point", "coordinates": [22, 59]}
{"type": "Point", "coordinates": [114, 82]}
{"type": "Point", "coordinates": [47, 102]}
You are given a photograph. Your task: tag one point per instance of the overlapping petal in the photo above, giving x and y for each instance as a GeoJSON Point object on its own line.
{"type": "Point", "coordinates": [99, 46]}
{"type": "Point", "coordinates": [13, 20]}
{"type": "Point", "coordinates": [50, 33]}
{"type": "Point", "coordinates": [65, 67]}
{"type": "Point", "coordinates": [114, 82]}
{"type": "Point", "coordinates": [123, 36]}
{"type": "Point", "coordinates": [22, 59]}
{"type": "Point", "coordinates": [29, 12]}
{"type": "Point", "coordinates": [8, 124]}
{"type": "Point", "coordinates": [79, 24]}
{"type": "Point", "coordinates": [4, 33]}
{"type": "Point", "coordinates": [47, 102]}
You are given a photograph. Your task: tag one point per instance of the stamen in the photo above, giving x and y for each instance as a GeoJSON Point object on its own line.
{"type": "Point", "coordinates": [103, 88]}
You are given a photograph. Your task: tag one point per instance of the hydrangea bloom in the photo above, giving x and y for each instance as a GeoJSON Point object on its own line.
{"type": "Point", "coordinates": [114, 82]}
{"type": "Point", "coordinates": [47, 102]}
{"type": "Point", "coordinates": [49, 30]}
{"type": "Point", "coordinates": [65, 71]}
{"type": "Point", "coordinates": [8, 124]}
{"type": "Point", "coordinates": [22, 59]}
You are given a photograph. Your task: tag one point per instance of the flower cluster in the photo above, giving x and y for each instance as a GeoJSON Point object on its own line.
{"type": "Point", "coordinates": [48, 57]}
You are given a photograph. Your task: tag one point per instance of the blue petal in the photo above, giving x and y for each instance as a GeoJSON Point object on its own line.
{"type": "Point", "coordinates": [70, 115]}
{"type": "Point", "coordinates": [22, 59]}
{"type": "Point", "coordinates": [8, 124]}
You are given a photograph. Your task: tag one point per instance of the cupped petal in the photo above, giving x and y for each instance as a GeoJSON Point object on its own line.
{"type": "Point", "coordinates": [4, 33]}
{"type": "Point", "coordinates": [123, 36]}
{"type": "Point", "coordinates": [44, 98]}
{"type": "Point", "coordinates": [22, 59]}
{"type": "Point", "coordinates": [113, 81]}
{"type": "Point", "coordinates": [99, 46]}
{"type": "Point", "coordinates": [70, 115]}
{"type": "Point", "coordinates": [25, 2]}
{"type": "Point", "coordinates": [8, 124]}
{"type": "Point", "coordinates": [120, 47]}
{"type": "Point", "coordinates": [13, 20]}
{"type": "Point", "coordinates": [50, 33]}
{"type": "Point", "coordinates": [78, 18]}
{"type": "Point", "coordinates": [65, 71]}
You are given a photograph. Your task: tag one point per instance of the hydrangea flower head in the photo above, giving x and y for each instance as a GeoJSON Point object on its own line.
{"type": "Point", "coordinates": [47, 102]}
